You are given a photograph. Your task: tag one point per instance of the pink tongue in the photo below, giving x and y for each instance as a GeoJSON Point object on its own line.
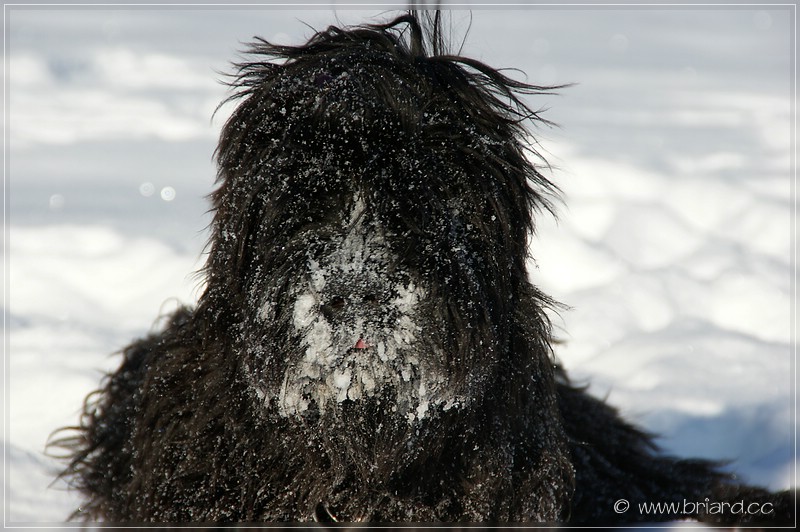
{"type": "Point", "coordinates": [361, 344]}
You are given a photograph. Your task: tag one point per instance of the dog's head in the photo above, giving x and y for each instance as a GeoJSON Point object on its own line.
{"type": "Point", "coordinates": [370, 235]}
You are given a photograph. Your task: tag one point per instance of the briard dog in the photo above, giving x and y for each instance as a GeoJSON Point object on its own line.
{"type": "Point", "coordinates": [368, 346]}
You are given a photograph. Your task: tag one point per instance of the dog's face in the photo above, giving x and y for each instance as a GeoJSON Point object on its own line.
{"type": "Point", "coordinates": [362, 325]}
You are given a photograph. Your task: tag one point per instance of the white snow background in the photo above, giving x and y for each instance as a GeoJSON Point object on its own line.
{"type": "Point", "coordinates": [673, 247]}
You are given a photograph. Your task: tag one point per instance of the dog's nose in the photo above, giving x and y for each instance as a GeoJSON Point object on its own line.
{"type": "Point", "coordinates": [333, 309]}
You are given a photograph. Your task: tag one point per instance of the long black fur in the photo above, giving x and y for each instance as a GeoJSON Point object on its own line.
{"type": "Point", "coordinates": [370, 141]}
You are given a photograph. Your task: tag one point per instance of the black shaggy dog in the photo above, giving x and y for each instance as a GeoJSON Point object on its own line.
{"type": "Point", "coordinates": [368, 346]}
